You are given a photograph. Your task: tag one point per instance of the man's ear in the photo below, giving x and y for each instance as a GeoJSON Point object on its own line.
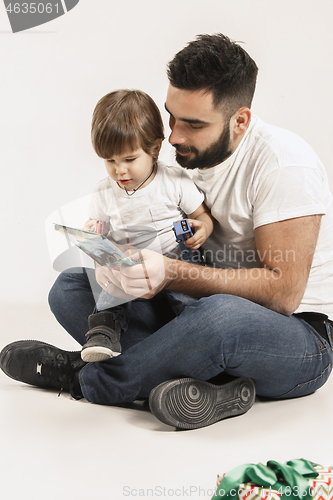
{"type": "Point", "coordinates": [240, 121]}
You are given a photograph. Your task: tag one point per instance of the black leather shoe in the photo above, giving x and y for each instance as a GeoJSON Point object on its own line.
{"type": "Point", "coordinates": [103, 338]}
{"type": "Point", "coordinates": [42, 365]}
{"type": "Point", "coordinates": [188, 403]}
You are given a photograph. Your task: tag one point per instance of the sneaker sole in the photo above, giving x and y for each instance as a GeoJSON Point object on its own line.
{"type": "Point", "coordinates": [97, 353]}
{"type": "Point", "coordinates": [190, 404]}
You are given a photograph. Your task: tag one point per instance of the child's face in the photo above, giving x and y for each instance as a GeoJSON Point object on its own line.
{"type": "Point", "coordinates": [130, 169]}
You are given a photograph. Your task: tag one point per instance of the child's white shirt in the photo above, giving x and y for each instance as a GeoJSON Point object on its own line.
{"type": "Point", "coordinates": [145, 218]}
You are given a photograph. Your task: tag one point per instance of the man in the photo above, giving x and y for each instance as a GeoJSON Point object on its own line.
{"type": "Point", "coordinates": [258, 312]}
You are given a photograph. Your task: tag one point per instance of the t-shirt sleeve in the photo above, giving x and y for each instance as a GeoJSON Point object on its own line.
{"type": "Point", "coordinates": [190, 197]}
{"type": "Point", "coordinates": [287, 193]}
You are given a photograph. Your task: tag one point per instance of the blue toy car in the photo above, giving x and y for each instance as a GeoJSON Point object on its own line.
{"type": "Point", "coordinates": [183, 232]}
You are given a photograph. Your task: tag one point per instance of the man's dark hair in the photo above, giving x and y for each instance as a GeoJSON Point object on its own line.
{"type": "Point", "coordinates": [216, 64]}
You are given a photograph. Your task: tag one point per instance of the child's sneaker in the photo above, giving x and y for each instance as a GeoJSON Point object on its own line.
{"type": "Point", "coordinates": [103, 338]}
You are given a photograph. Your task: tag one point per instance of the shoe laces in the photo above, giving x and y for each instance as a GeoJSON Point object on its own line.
{"type": "Point", "coordinates": [58, 371]}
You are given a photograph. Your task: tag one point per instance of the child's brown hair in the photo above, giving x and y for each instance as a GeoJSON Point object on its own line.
{"type": "Point", "coordinates": [126, 120]}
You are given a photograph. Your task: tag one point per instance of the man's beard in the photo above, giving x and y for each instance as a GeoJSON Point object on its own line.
{"type": "Point", "coordinates": [216, 153]}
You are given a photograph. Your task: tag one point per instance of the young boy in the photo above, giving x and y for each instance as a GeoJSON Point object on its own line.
{"type": "Point", "coordinates": [138, 203]}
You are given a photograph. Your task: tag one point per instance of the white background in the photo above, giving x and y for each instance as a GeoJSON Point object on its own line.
{"type": "Point", "coordinates": [51, 78]}
{"type": "Point", "coordinates": [53, 75]}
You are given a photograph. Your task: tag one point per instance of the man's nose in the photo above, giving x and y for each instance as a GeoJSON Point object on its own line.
{"type": "Point", "coordinates": [177, 135]}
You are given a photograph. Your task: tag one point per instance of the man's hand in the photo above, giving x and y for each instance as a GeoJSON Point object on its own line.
{"type": "Point", "coordinates": [146, 278]}
{"type": "Point", "coordinates": [107, 279]}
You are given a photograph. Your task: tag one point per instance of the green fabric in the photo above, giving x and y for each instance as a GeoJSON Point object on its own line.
{"type": "Point", "coordinates": [290, 479]}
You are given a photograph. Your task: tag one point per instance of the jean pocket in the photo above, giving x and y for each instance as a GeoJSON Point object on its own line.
{"type": "Point", "coordinates": [308, 387]}
{"type": "Point", "coordinates": [321, 342]}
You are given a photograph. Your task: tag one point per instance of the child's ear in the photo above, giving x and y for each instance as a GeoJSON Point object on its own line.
{"type": "Point", "coordinates": [157, 148]}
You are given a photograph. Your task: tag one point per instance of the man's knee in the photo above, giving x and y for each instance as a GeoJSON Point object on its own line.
{"type": "Point", "coordinates": [230, 308]}
{"type": "Point", "coordinates": [228, 319]}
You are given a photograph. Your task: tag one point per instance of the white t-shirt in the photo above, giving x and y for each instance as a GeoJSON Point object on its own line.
{"type": "Point", "coordinates": [272, 176]}
{"type": "Point", "coordinates": [145, 219]}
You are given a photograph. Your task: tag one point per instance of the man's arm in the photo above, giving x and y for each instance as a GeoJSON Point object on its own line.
{"type": "Point", "coordinates": [285, 250]}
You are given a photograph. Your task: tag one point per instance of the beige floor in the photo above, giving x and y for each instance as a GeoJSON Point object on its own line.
{"type": "Point", "coordinates": [58, 448]}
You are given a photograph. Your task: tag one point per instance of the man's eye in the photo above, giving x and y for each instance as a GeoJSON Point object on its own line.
{"type": "Point", "coordinates": [195, 127]}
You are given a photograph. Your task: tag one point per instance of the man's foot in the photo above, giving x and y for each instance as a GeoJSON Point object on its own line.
{"type": "Point", "coordinates": [188, 403]}
{"type": "Point", "coordinates": [103, 338]}
{"type": "Point", "coordinates": [43, 365]}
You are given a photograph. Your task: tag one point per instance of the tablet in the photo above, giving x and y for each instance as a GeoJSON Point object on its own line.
{"type": "Point", "coordinates": [97, 246]}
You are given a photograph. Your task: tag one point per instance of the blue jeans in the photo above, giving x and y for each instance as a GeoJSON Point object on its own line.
{"type": "Point", "coordinates": [284, 355]}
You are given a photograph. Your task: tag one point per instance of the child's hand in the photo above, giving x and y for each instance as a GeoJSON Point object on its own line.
{"type": "Point", "coordinates": [199, 229]}
{"type": "Point", "coordinates": [88, 226]}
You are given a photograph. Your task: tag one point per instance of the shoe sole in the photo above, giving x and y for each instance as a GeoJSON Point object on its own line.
{"type": "Point", "coordinates": [190, 404]}
{"type": "Point", "coordinates": [97, 353]}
